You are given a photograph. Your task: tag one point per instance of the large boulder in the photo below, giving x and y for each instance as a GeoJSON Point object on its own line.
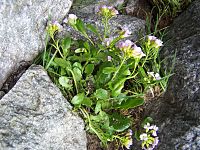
{"type": "Point", "coordinates": [22, 30]}
{"type": "Point", "coordinates": [177, 113]}
{"type": "Point", "coordinates": [35, 116]}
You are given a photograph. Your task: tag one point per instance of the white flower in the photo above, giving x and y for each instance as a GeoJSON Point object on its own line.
{"type": "Point", "coordinates": [154, 41]}
{"type": "Point", "coordinates": [157, 76]}
{"type": "Point", "coordinates": [108, 41]}
{"type": "Point", "coordinates": [137, 52]}
{"type": "Point", "coordinates": [147, 126]}
{"type": "Point", "coordinates": [144, 137]}
{"type": "Point", "coordinates": [158, 43]}
{"type": "Point", "coordinates": [154, 75]}
{"type": "Point", "coordinates": [126, 32]}
{"type": "Point", "coordinates": [125, 45]}
{"type": "Point", "coordinates": [71, 19]}
{"type": "Point", "coordinates": [72, 16]}
{"type": "Point", "coordinates": [156, 141]}
{"type": "Point", "coordinates": [154, 127]}
{"type": "Point", "coordinates": [109, 58]}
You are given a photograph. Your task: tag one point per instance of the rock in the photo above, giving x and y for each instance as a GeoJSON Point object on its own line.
{"type": "Point", "coordinates": [138, 8]}
{"type": "Point", "coordinates": [90, 6]}
{"type": "Point", "coordinates": [135, 25]}
{"type": "Point", "coordinates": [177, 113]}
{"type": "Point", "coordinates": [22, 30]}
{"type": "Point", "coordinates": [34, 115]}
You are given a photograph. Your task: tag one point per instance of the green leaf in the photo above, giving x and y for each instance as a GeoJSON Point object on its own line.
{"type": "Point", "coordinates": [77, 73]}
{"type": "Point", "coordinates": [89, 68]}
{"type": "Point", "coordinates": [78, 99]}
{"type": "Point", "coordinates": [87, 102]}
{"type": "Point", "coordinates": [62, 63]}
{"type": "Point", "coordinates": [147, 120]}
{"type": "Point", "coordinates": [65, 44]}
{"type": "Point", "coordinates": [130, 103]}
{"type": "Point", "coordinates": [80, 50]}
{"type": "Point", "coordinates": [119, 122]}
{"type": "Point", "coordinates": [137, 135]}
{"type": "Point", "coordinates": [86, 45]}
{"type": "Point", "coordinates": [102, 94]}
{"type": "Point", "coordinates": [92, 28]}
{"type": "Point", "coordinates": [142, 72]}
{"type": "Point", "coordinates": [77, 65]}
{"type": "Point", "coordinates": [98, 107]}
{"type": "Point", "coordinates": [109, 70]}
{"type": "Point", "coordinates": [64, 81]}
{"type": "Point", "coordinates": [81, 26]}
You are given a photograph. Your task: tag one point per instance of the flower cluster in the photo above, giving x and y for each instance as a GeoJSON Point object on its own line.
{"type": "Point", "coordinates": [107, 11]}
{"type": "Point", "coordinates": [125, 32]}
{"type": "Point", "coordinates": [154, 42]}
{"type": "Point", "coordinates": [71, 19]}
{"type": "Point", "coordinates": [130, 49]}
{"type": "Point", "coordinates": [149, 138]}
{"type": "Point", "coordinates": [156, 76]}
{"type": "Point", "coordinates": [53, 27]}
{"type": "Point", "coordinates": [128, 141]}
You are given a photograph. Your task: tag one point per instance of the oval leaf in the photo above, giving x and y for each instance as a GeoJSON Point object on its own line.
{"type": "Point", "coordinates": [131, 103]}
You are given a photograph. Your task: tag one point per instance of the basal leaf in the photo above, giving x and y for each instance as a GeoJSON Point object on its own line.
{"type": "Point", "coordinates": [92, 28]}
{"type": "Point", "coordinates": [89, 68]}
{"type": "Point", "coordinates": [109, 70]}
{"type": "Point", "coordinates": [64, 81]}
{"type": "Point", "coordinates": [102, 94]}
{"type": "Point", "coordinates": [65, 44]}
{"type": "Point", "coordinates": [130, 103]}
{"type": "Point", "coordinates": [62, 63]}
{"type": "Point", "coordinates": [119, 122]}
{"type": "Point", "coordinates": [78, 99]}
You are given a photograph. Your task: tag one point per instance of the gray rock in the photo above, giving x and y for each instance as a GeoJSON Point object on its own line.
{"type": "Point", "coordinates": [35, 116]}
{"type": "Point", "coordinates": [135, 25]}
{"type": "Point", "coordinates": [177, 113]}
{"type": "Point", "coordinates": [90, 6]}
{"type": "Point", "coordinates": [138, 8]}
{"type": "Point", "coordinates": [22, 26]}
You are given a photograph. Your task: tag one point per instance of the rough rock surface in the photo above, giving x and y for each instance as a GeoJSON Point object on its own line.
{"type": "Point", "coordinates": [135, 25]}
{"type": "Point", "coordinates": [35, 116]}
{"type": "Point", "coordinates": [90, 6]}
{"type": "Point", "coordinates": [22, 25]}
{"type": "Point", "coordinates": [178, 112]}
{"type": "Point", "coordinates": [138, 8]}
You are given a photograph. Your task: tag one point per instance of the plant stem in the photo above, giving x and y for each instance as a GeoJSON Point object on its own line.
{"type": "Point", "coordinates": [74, 78]}
{"type": "Point", "coordinates": [124, 59]}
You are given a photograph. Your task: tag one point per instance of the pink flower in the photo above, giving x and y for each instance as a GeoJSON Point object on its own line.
{"type": "Point", "coordinates": [137, 52]}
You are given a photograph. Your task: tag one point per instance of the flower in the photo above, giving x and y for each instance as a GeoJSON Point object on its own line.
{"type": "Point", "coordinates": [125, 45]}
{"type": "Point", "coordinates": [137, 52]}
{"type": "Point", "coordinates": [154, 41]}
{"type": "Point", "coordinates": [156, 76]}
{"type": "Point", "coordinates": [128, 143]}
{"type": "Point", "coordinates": [109, 58]}
{"type": "Point", "coordinates": [125, 32]}
{"type": "Point", "coordinates": [108, 41]}
{"type": "Point", "coordinates": [71, 19]}
{"type": "Point", "coordinates": [53, 27]}
{"type": "Point", "coordinates": [108, 11]}
{"type": "Point", "coordinates": [144, 137]}
{"type": "Point", "coordinates": [147, 126]}
{"type": "Point", "coordinates": [156, 141]}
{"type": "Point", "coordinates": [128, 140]}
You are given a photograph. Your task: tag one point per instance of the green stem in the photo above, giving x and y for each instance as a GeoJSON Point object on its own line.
{"type": "Point", "coordinates": [51, 60]}
{"type": "Point", "coordinates": [74, 78]}
{"type": "Point", "coordinates": [124, 59]}
{"type": "Point", "coordinates": [57, 47]}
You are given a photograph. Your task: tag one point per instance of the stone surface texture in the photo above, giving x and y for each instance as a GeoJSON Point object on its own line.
{"type": "Point", "coordinates": [135, 25]}
{"type": "Point", "coordinates": [22, 30]}
{"type": "Point", "coordinates": [35, 116]}
{"type": "Point", "coordinates": [178, 112]}
{"type": "Point", "coordinates": [90, 6]}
